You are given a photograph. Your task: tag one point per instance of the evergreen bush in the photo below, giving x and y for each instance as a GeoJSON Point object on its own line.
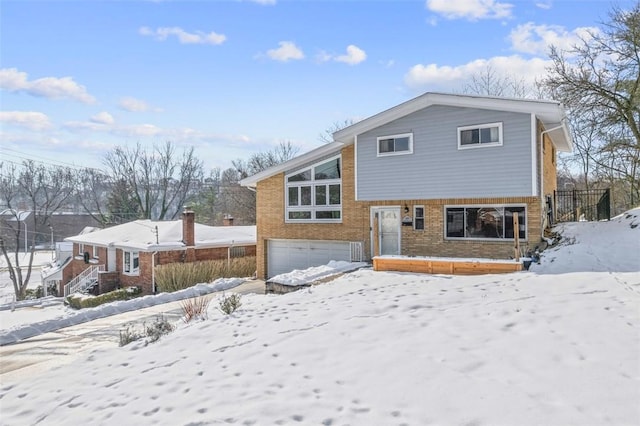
{"type": "Point", "coordinates": [81, 301]}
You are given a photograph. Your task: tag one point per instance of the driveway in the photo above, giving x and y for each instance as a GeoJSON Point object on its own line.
{"type": "Point", "coordinates": [46, 351]}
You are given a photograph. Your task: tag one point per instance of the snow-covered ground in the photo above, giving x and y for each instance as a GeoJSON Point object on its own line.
{"type": "Point", "coordinates": [557, 345]}
{"type": "Point", "coordinates": [49, 314]}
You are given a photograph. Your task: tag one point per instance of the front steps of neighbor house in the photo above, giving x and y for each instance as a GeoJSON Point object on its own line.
{"type": "Point", "coordinates": [87, 279]}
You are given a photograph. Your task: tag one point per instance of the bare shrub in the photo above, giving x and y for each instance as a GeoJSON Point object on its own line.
{"type": "Point", "coordinates": [195, 308]}
{"type": "Point", "coordinates": [158, 328]}
{"type": "Point", "coordinates": [128, 335]}
{"type": "Point", "coordinates": [152, 332]}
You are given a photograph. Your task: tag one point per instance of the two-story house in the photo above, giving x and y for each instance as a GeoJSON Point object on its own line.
{"type": "Point", "coordinates": [438, 175]}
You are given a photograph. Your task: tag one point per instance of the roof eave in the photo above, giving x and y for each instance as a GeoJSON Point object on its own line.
{"type": "Point", "coordinates": [546, 110]}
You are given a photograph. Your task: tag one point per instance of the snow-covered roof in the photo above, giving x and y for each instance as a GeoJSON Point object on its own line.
{"type": "Point", "coordinates": [148, 235]}
{"type": "Point", "coordinates": [550, 113]}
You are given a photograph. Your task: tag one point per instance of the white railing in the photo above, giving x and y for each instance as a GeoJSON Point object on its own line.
{"type": "Point", "coordinates": [86, 279]}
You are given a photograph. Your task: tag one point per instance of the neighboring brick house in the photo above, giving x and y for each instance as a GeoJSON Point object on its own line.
{"type": "Point", "coordinates": [125, 255]}
{"type": "Point", "coordinates": [439, 175]}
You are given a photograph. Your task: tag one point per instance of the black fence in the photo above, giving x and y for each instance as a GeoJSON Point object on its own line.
{"type": "Point", "coordinates": [582, 204]}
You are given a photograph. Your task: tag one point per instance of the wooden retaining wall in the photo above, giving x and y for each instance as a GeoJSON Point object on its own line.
{"type": "Point", "coordinates": [444, 266]}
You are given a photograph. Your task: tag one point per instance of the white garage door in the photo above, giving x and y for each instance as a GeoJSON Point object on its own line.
{"type": "Point", "coordinates": [287, 255]}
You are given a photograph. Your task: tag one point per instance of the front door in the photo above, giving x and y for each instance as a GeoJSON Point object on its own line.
{"type": "Point", "coordinates": [111, 259]}
{"type": "Point", "coordinates": [385, 224]}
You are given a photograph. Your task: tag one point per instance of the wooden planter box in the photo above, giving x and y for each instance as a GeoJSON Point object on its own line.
{"type": "Point", "coordinates": [429, 265]}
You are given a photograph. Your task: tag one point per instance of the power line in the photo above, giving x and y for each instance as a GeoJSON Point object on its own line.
{"type": "Point", "coordinates": [42, 160]}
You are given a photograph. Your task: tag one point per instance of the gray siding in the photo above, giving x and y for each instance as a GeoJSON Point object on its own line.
{"type": "Point", "coordinates": [437, 168]}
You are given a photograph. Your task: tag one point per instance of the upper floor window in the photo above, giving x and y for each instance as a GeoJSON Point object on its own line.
{"type": "Point", "coordinates": [480, 135]}
{"type": "Point", "coordinates": [315, 193]}
{"type": "Point", "coordinates": [395, 144]}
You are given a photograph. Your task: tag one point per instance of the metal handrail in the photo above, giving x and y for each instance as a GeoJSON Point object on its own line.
{"type": "Point", "coordinates": [84, 280]}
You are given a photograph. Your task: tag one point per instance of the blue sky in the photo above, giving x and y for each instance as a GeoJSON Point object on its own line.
{"type": "Point", "coordinates": [230, 78]}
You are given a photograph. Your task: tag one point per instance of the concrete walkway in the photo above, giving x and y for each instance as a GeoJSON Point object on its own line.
{"type": "Point", "coordinates": [46, 351]}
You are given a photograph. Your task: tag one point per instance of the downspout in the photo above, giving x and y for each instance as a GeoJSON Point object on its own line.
{"type": "Point", "coordinates": [229, 255]}
{"type": "Point", "coordinates": [153, 272]}
{"type": "Point", "coordinates": [542, 200]}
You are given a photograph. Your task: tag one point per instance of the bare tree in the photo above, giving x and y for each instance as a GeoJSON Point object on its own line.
{"type": "Point", "coordinates": [327, 136]}
{"type": "Point", "coordinates": [490, 83]}
{"type": "Point", "coordinates": [599, 78]}
{"type": "Point", "coordinates": [260, 161]}
{"type": "Point", "coordinates": [92, 192]}
{"type": "Point", "coordinates": [32, 193]}
{"type": "Point", "coordinates": [205, 202]}
{"type": "Point", "coordinates": [159, 181]}
{"type": "Point", "coordinates": [239, 201]}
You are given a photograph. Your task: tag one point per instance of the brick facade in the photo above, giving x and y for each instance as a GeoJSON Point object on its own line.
{"type": "Point", "coordinates": [115, 279]}
{"type": "Point", "coordinates": [356, 224]}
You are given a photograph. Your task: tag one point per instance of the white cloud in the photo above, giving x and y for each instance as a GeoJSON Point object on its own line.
{"type": "Point", "coordinates": [323, 56]}
{"type": "Point", "coordinates": [286, 52]}
{"type": "Point", "coordinates": [139, 130]}
{"type": "Point", "coordinates": [47, 87]}
{"type": "Point", "coordinates": [536, 39]}
{"type": "Point", "coordinates": [546, 5]}
{"type": "Point", "coordinates": [136, 105]}
{"type": "Point", "coordinates": [27, 119]}
{"type": "Point", "coordinates": [184, 37]}
{"type": "Point", "coordinates": [421, 77]}
{"type": "Point", "coordinates": [388, 64]}
{"type": "Point", "coordinates": [102, 118]}
{"type": "Point", "coordinates": [264, 2]}
{"type": "Point", "coordinates": [86, 126]}
{"type": "Point", "coordinates": [470, 9]}
{"type": "Point", "coordinates": [354, 55]}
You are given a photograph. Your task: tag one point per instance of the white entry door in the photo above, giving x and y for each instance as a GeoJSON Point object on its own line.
{"type": "Point", "coordinates": [388, 221]}
{"type": "Point", "coordinates": [111, 259]}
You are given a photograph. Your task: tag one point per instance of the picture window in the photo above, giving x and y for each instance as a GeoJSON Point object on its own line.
{"type": "Point", "coordinates": [484, 222]}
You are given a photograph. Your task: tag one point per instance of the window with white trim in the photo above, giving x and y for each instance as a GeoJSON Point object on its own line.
{"type": "Point", "coordinates": [95, 252]}
{"type": "Point", "coordinates": [131, 262]}
{"type": "Point", "coordinates": [480, 135]}
{"type": "Point", "coordinates": [484, 222]}
{"type": "Point", "coordinates": [80, 249]}
{"type": "Point", "coordinates": [418, 217]}
{"type": "Point", "coordinates": [395, 144]}
{"type": "Point", "coordinates": [314, 194]}
{"type": "Point", "coordinates": [237, 251]}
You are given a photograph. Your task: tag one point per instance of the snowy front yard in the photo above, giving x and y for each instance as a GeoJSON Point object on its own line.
{"type": "Point", "coordinates": [548, 346]}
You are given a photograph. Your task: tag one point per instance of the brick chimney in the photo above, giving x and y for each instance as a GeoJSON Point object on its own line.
{"type": "Point", "coordinates": [188, 227]}
{"type": "Point", "coordinates": [227, 220]}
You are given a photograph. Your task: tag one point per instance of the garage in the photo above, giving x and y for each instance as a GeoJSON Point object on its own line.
{"type": "Point", "coordinates": [286, 255]}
